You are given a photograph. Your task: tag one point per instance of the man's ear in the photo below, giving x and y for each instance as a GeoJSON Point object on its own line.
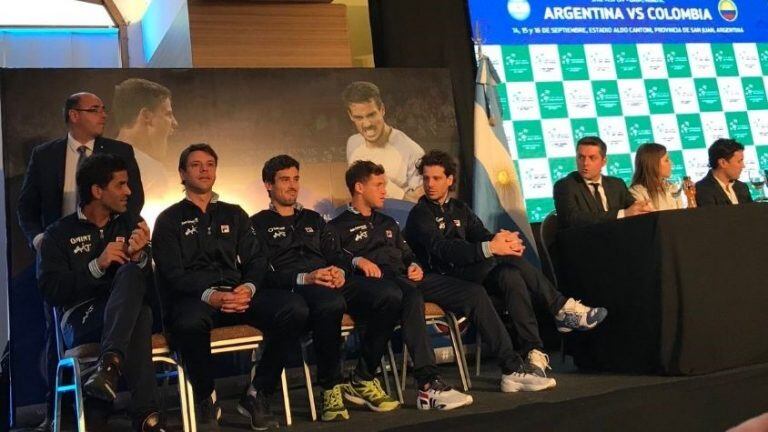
{"type": "Point", "coordinates": [96, 192]}
{"type": "Point", "coordinates": [146, 115]}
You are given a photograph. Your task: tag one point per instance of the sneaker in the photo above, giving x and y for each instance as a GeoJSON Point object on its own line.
{"type": "Point", "coordinates": [370, 394]}
{"type": "Point", "coordinates": [256, 409]}
{"type": "Point", "coordinates": [208, 411]}
{"type": "Point", "coordinates": [525, 379]}
{"type": "Point", "coordinates": [576, 316]}
{"type": "Point", "coordinates": [102, 384]}
{"type": "Point", "coordinates": [538, 362]}
{"type": "Point", "coordinates": [333, 405]}
{"type": "Point", "coordinates": [440, 396]}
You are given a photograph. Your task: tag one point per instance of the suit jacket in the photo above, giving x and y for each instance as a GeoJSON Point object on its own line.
{"type": "Point", "coordinates": [43, 188]}
{"type": "Point", "coordinates": [576, 205]}
{"type": "Point", "coordinates": [709, 192]}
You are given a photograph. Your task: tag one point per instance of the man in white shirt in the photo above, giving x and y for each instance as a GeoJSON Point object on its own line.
{"type": "Point", "coordinates": [586, 196]}
{"type": "Point", "coordinates": [721, 185]}
{"type": "Point", "coordinates": [379, 142]}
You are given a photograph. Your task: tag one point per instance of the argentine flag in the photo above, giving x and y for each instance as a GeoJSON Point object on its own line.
{"type": "Point", "coordinates": [498, 199]}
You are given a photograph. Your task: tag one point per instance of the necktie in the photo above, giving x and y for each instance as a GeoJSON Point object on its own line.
{"type": "Point", "coordinates": [598, 196]}
{"type": "Point", "coordinates": [83, 156]}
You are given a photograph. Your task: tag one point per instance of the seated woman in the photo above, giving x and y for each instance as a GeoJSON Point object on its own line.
{"type": "Point", "coordinates": [649, 183]}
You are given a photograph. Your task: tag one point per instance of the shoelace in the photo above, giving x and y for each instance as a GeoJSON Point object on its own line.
{"type": "Point", "coordinates": [333, 397]}
{"type": "Point", "coordinates": [577, 307]}
{"type": "Point", "coordinates": [439, 386]}
{"type": "Point", "coordinates": [539, 359]}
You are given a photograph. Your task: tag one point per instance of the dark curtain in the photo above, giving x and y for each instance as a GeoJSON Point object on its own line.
{"type": "Point", "coordinates": [432, 33]}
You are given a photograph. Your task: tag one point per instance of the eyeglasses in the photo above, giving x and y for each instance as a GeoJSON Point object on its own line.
{"type": "Point", "coordinates": [93, 110]}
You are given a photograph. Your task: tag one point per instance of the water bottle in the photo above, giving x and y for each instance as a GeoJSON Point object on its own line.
{"type": "Point", "coordinates": [690, 191]}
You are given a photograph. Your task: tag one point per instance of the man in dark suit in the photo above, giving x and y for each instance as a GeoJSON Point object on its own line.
{"type": "Point", "coordinates": [586, 197]}
{"type": "Point", "coordinates": [721, 185]}
{"type": "Point", "coordinates": [49, 190]}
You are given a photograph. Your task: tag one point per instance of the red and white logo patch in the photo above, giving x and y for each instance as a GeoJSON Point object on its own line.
{"type": "Point", "coordinates": [225, 229]}
{"type": "Point", "coordinates": [120, 239]}
{"type": "Point", "coordinates": [389, 233]}
{"type": "Point", "coordinates": [457, 222]}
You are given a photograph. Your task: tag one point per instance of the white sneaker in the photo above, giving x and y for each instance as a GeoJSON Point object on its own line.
{"type": "Point", "coordinates": [525, 379]}
{"type": "Point", "coordinates": [576, 316]}
{"type": "Point", "coordinates": [538, 362]}
{"type": "Point", "coordinates": [441, 396]}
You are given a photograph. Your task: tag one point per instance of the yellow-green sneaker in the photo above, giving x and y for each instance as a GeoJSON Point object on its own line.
{"type": "Point", "coordinates": [370, 394]}
{"type": "Point", "coordinates": [333, 405]}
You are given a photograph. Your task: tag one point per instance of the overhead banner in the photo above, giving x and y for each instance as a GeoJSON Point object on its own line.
{"type": "Point", "coordinates": [621, 21]}
{"type": "Point", "coordinates": [681, 73]}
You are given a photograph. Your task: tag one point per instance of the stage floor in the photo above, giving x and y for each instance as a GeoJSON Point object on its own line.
{"type": "Point", "coordinates": [581, 401]}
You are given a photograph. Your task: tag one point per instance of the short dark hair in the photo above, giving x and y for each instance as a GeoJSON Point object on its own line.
{"type": "Point", "coordinates": [98, 169]}
{"type": "Point", "coordinates": [361, 92]}
{"type": "Point", "coordinates": [593, 141]}
{"type": "Point", "coordinates": [70, 103]}
{"type": "Point", "coordinates": [723, 148]}
{"type": "Point", "coordinates": [203, 147]}
{"type": "Point", "coordinates": [437, 158]}
{"type": "Point", "coordinates": [275, 164]}
{"type": "Point", "coordinates": [134, 94]}
{"type": "Point", "coordinates": [359, 172]}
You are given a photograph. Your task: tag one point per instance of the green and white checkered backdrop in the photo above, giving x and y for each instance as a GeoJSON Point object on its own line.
{"type": "Point", "coordinates": [684, 96]}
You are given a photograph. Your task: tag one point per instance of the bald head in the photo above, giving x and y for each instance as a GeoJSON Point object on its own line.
{"type": "Point", "coordinates": [85, 115]}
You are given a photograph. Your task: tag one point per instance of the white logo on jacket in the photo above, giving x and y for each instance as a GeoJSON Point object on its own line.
{"type": "Point", "coordinates": [440, 222]}
{"type": "Point", "coordinates": [361, 235]}
{"type": "Point", "coordinates": [189, 230]}
{"type": "Point", "coordinates": [277, 232]}
{"type": "Point", "coordinates": [81, 244]}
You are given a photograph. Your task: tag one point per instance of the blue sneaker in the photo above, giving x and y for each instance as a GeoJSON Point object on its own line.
{"type": "Point", "coordinates": [576, 316]}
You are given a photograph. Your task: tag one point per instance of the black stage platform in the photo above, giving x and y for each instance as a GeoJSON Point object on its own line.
{"type": "Point", "coordinates": [580, 402]}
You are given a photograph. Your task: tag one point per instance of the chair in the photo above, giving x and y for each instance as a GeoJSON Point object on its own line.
{"type": "Point", "coordinates": [434, 314]}
{"type": "Point", "coordinates": [547, 235]}
{"type": "Point", "coordinates": [73, 359]}
{"type": "Point", "coordinates": [347, 327]}
{"type": "Point", "coordinates": [231, 339]}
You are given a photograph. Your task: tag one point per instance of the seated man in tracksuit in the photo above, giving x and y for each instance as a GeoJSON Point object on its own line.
{"type": "Point", "coordinates": [92, 266]}
{"type": "Point", "coordinates": [210, 267]}
{"type": "Point", "coordinates": [447, 235]}
{"type": "Point", "coordinates": [305, 259]}
{"type": "Point", "coordinates": [378, 250]}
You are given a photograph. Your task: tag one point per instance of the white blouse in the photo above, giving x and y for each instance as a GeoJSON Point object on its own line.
{"type": "Point", "coordinates": [666, 201]}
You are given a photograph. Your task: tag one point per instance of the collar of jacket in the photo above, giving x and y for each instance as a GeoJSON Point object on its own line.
{"type": "Point", "coordinates": [81, 216]}
{"type": "Point", "coordinates": [296, 206]}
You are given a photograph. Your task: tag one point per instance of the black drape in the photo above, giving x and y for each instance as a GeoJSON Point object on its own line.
{"type": "Point", "coordinates": [432, 33]}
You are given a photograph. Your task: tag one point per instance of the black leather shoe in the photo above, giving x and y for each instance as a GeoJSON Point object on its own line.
{"type": "Point", "coordinates": [256, 409]}
{"type": "Point", "coordinates": [152, 422]}
{"type": "Point", "coordinates": [208, 412]}
{"type": "Point", "coordinates": [103, 383]}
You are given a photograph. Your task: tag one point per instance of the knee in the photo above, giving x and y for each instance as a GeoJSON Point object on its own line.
{"type": "Point", "coordinates": [333, 306]}
{"type": "Point", "coordinates": [131, 275]}
{"type": "Point", "coordinates": [293, 313]}
{"type": "Point", "coordinates": [389, 297]}
{"type": "Point", "coordinates": [190, 323]}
